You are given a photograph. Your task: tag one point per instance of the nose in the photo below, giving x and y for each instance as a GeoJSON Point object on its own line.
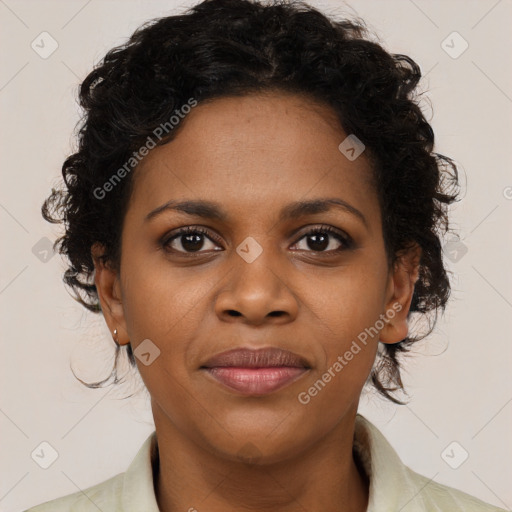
{"type": "Point", "coordinates": [257, 292]}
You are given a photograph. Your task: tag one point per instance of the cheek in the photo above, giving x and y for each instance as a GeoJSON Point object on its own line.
{"type": "Point", "coordinates": [349, 300]}
{"type": "Point", "coordinates": [157, 300]}
{"type": "Point", "coordinates": [346, 309]}
{"type": "Point", "coordinates": [348, 349]}
{"type": "Point", "coordinates": [166, 307]}
{"type": "Point", "coordinates": [352, 319]}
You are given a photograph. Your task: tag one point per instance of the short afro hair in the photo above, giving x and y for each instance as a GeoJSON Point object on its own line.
{"type": "Point", "coordinates": [237, 47]}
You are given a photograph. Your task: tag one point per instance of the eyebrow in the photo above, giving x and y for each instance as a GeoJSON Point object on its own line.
{"type": "Point", "coordinates": [211, 210]}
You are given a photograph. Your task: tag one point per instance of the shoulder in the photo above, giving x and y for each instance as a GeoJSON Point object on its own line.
{"type": "Point", "coordinates": [105, 496]}
{"type": "Point", "coordinates": [430, 495]}
{"type": "Point", "coordinates": [395, 486]}
{"type": "Point", "coordinates": [131, 491]}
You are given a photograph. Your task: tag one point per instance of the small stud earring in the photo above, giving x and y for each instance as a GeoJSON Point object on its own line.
{"type": "Point", "coordinates": [116, 341]}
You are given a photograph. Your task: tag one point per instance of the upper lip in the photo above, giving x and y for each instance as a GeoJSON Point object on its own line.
{"type": "Point", "coordinates": [260, 358]}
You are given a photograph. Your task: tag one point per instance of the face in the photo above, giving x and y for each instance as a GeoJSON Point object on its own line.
{"type": "Point", "coordinates": [250, 276]}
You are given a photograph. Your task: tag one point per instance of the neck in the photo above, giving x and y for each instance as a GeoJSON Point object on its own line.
{"type": "Point", "coordinates": [324, 476]}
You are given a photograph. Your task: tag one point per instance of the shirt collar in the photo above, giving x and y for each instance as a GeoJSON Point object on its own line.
{"type": "Point", "coordinates": [391, 486]}
{"type": "Point", "coordinates": [382, 466]}
{"type": "Point", "coordinates": [138, 487]}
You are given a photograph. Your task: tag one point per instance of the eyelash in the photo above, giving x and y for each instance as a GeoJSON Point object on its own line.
{"type": "Point", "coordinates": [347, 242]}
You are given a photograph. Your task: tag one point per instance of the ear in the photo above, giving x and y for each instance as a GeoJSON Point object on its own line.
{"type": "Point", "coordinates": [401, 284]}
{"type": "Point", "coordinates": [107, 283]}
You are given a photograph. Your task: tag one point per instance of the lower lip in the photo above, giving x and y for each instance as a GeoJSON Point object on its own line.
{"type": "Point", "coordinates": [256, 381]}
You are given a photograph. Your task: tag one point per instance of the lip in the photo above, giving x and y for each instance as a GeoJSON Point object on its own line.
{"type": "Point", "coordinates": [253, 372]}
{"type": "Point", "coordinates": [260, 358]}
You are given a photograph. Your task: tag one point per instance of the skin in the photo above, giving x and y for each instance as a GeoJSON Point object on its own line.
{"type": "Point", "coordinates": [254, 155]}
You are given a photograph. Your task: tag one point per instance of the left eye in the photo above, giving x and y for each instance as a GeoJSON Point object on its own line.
{"type": "Point", "coordinates": [317, 240]}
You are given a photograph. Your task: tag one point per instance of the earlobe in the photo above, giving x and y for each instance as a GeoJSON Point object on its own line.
{"type": "Point", "coordinates": [107, 284]}
{"type": "Point", "coordinates": [402, 282]}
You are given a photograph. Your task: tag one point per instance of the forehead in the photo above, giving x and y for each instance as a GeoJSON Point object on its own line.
{"type": "Point", "coordinates": [252, 152]}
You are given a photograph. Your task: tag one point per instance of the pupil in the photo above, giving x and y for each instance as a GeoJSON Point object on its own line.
{"type": "Point", "coordinates": [321, 245]}
{"type": "Point", "coordinates": [192, 242]}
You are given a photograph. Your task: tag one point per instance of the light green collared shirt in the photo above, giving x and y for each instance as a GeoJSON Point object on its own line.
{"type": "Point", "coordinates": [393, 486]}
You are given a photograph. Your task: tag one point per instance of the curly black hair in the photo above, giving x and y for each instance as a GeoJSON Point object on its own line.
{"type": "Point", "coordinates": [222, 48]}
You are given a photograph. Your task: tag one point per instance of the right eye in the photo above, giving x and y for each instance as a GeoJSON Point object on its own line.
{"type": "Point", "coordinates": [191, 240]}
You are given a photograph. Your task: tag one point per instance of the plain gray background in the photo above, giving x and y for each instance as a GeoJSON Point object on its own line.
{"type": "Point", "coordinates": [458, 378]}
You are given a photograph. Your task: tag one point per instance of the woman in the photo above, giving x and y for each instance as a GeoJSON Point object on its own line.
{"type": "Point", "coordinates": [255, 207]}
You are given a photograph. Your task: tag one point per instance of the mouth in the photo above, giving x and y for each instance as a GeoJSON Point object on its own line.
{"type": "Point", "coordinates": [256, 372]}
